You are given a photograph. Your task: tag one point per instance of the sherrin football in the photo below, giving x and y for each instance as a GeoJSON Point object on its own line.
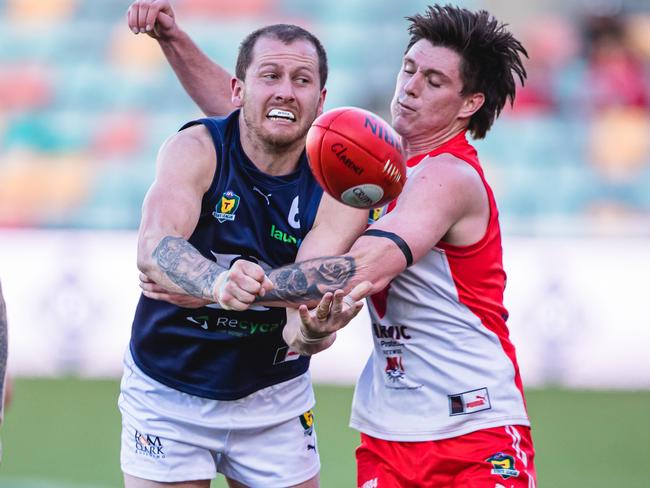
{"type": "Point", "coordinates": [356, 157]}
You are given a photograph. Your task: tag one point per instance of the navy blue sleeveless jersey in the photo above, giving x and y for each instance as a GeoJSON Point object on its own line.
{"type": "Point", "coordinates": [245, 214]}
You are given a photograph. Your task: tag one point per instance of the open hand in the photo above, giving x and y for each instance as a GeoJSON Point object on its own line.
{"type": "Point", "coordinates": [334, 312]}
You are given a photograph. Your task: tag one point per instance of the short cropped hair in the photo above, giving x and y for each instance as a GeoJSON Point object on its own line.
{"type": "Point", "coordinates": [490, 56]}
{"type": "Point", "coordinates": [287, 33]}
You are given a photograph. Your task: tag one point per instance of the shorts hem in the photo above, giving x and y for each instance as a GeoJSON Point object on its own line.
{"type": "Point", "coordinates": [435, 436]}
{"type": "Point", "coordinates": [295, 480]}
{"type": "Point", "coordinates": [175, 478]}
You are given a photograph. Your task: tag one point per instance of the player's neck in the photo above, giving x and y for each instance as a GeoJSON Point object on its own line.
{"type": "Point", "coordinates": [414, 146]}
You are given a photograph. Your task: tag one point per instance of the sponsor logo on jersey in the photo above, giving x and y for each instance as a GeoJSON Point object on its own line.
{"type": "Point", "coordinates": [390, 331]}
{"type": "Point", "coordinates": [469, 402]}
{"type": "Point", "coordinates": [285, 354]}
{"type": "Point", "coordinates": [266, 196]}
{"type": "Point", "coordinates": [284, 236]}
{"type": "Point", "coordinates": [503, 465]}
{"type": "Point", "coordinates": [148, 445]}
{"type": "Point", "coordinates": [234, 326]}
{"type": "Point", "coordinates": [226, 207]}
{"type": "Point", "coordinates": [307, 422]}
{"type": "Point", "coordinates": [394, 368]}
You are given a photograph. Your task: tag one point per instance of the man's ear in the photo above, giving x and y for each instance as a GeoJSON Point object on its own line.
{"type": "Point", "coordinates": [237, 89]}
{"type": "Point", "coordinates": [471, 104]}
{"type": "Point", "coordinates": [321, 101]}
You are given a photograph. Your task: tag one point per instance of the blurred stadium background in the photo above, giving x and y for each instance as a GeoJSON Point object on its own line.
{"type": "Point", "coordinates": [84, 106]}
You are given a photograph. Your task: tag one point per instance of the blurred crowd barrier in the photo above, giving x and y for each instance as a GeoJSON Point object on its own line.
{"type": "Point", "coordinates": [84, 104]}
{"type": "Point", "coordinates": [577, 309]}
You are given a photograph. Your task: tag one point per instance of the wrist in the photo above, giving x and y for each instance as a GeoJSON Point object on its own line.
{"type": "Point", "coordinates": [310, 339]}
{"type": "Point", "coordinates": [217, 288]}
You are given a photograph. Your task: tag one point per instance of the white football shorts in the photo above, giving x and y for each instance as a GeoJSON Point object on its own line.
{"type": "Point", "coordinates": [266, 439]}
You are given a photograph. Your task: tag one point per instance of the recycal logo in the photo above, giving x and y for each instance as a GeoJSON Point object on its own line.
{"type": "Point", "coordinates": [148, 445]}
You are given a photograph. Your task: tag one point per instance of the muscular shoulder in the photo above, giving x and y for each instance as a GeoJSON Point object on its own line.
{"type": "Point", "coordinates": [190, 155]}
{"type": "Point", "coordinates": [195, 140]}
{"type": "Point", "coordinates": [446, 183]}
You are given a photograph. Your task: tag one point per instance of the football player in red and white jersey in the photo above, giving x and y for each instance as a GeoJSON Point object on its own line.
{"type": "Point", "coordinates": [440, 402]}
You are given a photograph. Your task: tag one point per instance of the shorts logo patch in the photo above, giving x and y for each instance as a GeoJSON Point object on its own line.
{"type": "Point", "coordinates": [503, 465]}
{"type": "Point", "coordinates": [307, 421]}
{"type": "Point", "coordinates": [148, 445]}
{"type": "Point", "coordinates": [469, 402]}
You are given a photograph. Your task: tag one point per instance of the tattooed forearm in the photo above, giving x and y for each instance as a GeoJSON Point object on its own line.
{"type": "Point", "coordinates": [309, 280]}
{"type": "Point", "coordinates": [186, 267]}
{"type": "Point", "coordinates": [3, 347]}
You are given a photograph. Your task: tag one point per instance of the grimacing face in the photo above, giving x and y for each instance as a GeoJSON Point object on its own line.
{"type": "Point", "coordinates": [281, 95]}
{"type": "Point", "coordinates": [427, 99]}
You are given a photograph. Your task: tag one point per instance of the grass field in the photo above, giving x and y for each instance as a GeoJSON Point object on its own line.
{"type": "Point", "coordinates": [65, 434]}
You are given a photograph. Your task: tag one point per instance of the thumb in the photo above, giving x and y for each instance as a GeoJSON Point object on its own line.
{"type": "Point", "coordinates": [166, 21]}
{"type": "Point", "coordinates": [267, 284]}
{"type": "Point", "coordinates": [163, 24]}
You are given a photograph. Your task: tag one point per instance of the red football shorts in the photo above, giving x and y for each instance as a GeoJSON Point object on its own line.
{"type": "Point", "coordinates": [500, 457]}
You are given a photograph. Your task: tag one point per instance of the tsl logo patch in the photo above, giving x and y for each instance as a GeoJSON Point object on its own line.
{"type": "Point", "coordinates": [307, 421]}
{"type": "Point", "coordinates": [503, 465]}
{"type": "Point", "coordinates": [227, 206]}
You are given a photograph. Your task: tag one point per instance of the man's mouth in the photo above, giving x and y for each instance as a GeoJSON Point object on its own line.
{"type": "Point", "coordinates": [405, 107]}
{"type": "Point", "coordinates": [277, 114]}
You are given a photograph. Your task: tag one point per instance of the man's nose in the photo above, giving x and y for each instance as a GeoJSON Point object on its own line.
{"type": "Point", "coordinates": [285, 90]}
{"type": "Point", "coordinates": [414, 84]}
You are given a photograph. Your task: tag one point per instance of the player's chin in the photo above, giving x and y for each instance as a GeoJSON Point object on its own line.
{"type": "Point", "coordinates": [286, 136]}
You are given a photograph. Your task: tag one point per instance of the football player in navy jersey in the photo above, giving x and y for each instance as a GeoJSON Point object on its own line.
{"type": "Point", "coordinates": [210, 383]}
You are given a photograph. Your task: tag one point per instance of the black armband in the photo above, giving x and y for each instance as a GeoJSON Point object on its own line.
{"type": "Point", "coordinates": [401, 243]}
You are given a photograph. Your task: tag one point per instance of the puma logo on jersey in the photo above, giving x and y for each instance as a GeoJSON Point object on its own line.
{"type": "Point", "coordinates": [266, 196]}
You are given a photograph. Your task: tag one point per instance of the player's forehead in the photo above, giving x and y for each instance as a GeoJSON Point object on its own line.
{"type": "Point", "coordinates": [427, 57]}
{"type": "Point", "coordinates": [299, 53]}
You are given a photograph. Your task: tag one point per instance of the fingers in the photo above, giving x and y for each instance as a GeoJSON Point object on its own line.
{"type": "Point", "coordinates": [362, 290]}
{"type": "Point", "coordinates": [143, 15]}
{"type": "Point", "coordinates": [323, 308]}
{"type": "Point", "coordinates": [305, 317]}
{"type": "Point", "coordinates": [337, 303]}
{"type": "Point", "coordinates": [241, 285]}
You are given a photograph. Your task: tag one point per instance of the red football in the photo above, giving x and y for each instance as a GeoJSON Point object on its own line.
{"type": "Point", "coordinates": [356, 157]}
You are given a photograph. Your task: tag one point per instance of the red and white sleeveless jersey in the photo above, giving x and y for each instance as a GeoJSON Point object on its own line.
{"type": "Point", "coordinates": [443, 364]}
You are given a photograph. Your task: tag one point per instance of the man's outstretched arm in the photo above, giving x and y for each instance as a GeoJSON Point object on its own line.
{"type": "Point", "coordinates": [206, 82]}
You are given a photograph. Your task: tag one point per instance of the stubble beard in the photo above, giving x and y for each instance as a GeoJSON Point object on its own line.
{"type": "Point", "coordinates": [274, 143]}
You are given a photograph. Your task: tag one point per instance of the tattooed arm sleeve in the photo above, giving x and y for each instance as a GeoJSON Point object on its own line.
{"type": "Point", "coordinates": [186, 268]}
{"type": "Point", "coordinates": [3, 349]}
{"type": "Point", "coordinates": [307, 281]}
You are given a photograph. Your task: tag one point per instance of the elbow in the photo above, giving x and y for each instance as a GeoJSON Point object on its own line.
{"type": "Point", "coordinates": [145, 260]}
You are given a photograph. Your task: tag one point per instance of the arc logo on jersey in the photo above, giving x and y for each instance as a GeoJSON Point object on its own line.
{"type": "Point", "coordinates": [503, 465]}
{"type": "Point", "coordinates": [307, 422]}
{"type": "Point", "coordinates": [227, 206]}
